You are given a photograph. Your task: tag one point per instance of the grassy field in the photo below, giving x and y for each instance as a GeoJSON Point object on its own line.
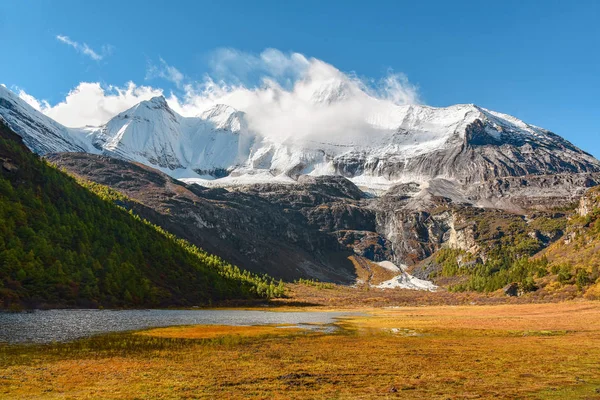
{"type": "Point", "coordinates": [522, 351]}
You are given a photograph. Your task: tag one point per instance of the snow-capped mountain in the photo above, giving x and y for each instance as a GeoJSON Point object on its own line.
{"type": "Point", "coordinates": [153, 134]}
{"type": "Point", "coordinates": [393, 144]}
{"type": "Point", "coordinates": [40, 133]}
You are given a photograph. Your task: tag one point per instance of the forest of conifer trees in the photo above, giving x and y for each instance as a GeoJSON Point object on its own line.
{"type": "Point", "coordinates": [68, 243]}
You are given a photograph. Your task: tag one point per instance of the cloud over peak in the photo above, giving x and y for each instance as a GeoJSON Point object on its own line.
{"type": "Point", "coordinates": [285, 95]}
{"type": "Point", "coordinates": [239, 67]}
{"type": "Point", "coordinates": [92, 104]}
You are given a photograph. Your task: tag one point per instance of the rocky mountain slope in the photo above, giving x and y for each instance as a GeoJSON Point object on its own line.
{"type": "Point", "coordinates": [574, 258]}
{"type": "Point", "coordinates": [326, 228]}
{"type": "Point", "coordinates": [244, 228]}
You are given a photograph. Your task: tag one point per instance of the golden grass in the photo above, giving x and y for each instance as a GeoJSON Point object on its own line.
{"type": "Point", "coordinates": [214, 331]}
{"type": "Point", "coordinates": [345, 297]}
{"type": "Point", "coordinates": [569, 316]}
{"type": "Point", "coordinates": [529, 351]}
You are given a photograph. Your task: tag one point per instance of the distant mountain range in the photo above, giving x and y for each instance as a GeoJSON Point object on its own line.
{"type": "Point", "coordinates": [394, 144]}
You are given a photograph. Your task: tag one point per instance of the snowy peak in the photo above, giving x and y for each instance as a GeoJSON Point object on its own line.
{"type": "Point", "coordinates": [391, 144]}
{"type": "Point", "coordinates": [152, 133]}
{"type": "Point", "coordinates": [225, 118]}
{"type": "Point", "coordinates": [156, 102]}
{"type": "Point", "coordinates": [332, 91]}
{"type": "Point", "coordinates": [218, 111]}
{"type": "Point", "coordinates": [493, 128]}
{"type": "Point", "coordinates": [152, 109]}
{"type": "Point", "coordinates": [467, 123]}
{"type": "Point", "coordinates": [148, 132]}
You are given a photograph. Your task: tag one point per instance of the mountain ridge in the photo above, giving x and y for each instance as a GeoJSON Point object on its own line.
{"type": "Point", "coordinates": [396, 144]}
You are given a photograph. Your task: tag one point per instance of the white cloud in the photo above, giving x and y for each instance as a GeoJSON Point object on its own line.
{"type": "Point", "coordinates": [91, 104]}
{"type": "Point", "coordinates": [293, 98]}
{"type": "Point", "coordinates": [84, 48]}
{"type": "Point", "coordinates": [32, 101]}
{"type": "Point", "coordinates": [297, 97]}
{"type": "Point", "coordinates": [239, 67]}
{"type": "Point", "coordinates": [396, 88]}
{"type": "Point", "coordinates": [164, 71]}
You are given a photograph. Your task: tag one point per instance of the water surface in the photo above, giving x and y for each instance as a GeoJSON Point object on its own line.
{"type": "Point", "coordinates": [64, 325]}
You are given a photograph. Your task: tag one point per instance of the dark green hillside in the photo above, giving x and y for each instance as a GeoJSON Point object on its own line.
{"type": "Point", "coordinates": [63, 244]}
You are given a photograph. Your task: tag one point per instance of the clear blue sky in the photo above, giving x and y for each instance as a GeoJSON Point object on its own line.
{"type": "Point", "coordinates": [538, 60]}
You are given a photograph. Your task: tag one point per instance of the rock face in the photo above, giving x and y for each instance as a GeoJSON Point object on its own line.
{"type": "Point", "coordinates": [512, 289]}
{"type": "Point", "coordinates": [588, 202]}
{"type": "Point", "coordinates": [531, 192]}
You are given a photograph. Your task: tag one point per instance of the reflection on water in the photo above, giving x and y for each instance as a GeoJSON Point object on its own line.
{"type": "Point", "coordinates": [64, 325]}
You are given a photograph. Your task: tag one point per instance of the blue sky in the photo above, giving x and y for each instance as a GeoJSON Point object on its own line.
{"type": "Point", "coordinates": [537, 60]}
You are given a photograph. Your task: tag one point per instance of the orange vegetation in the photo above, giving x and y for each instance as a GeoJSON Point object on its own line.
{"type": "Point", "coordinates": [522, 351]}
{"type": "Point", "coordinates": [213, 331]}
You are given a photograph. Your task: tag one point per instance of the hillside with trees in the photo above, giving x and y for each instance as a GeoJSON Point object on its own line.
{"type": "Point", "coordinates": [68, 243]}
{"type": "Point", "coordinates": [553, 254]}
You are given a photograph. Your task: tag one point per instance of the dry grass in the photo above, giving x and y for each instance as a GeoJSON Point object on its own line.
{"type": "Point", "coordinates": [361, 296]}
{"type": "Point", "coordinates": [530, 351]}
{"type": "Point", "coordinates": [568, 316]}
{"type": "Point", "coordinates": [214, 331]}
{"type": "Point", "coordinates": [346, 297]}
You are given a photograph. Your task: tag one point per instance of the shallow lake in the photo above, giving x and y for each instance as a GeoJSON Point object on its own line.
{"type": "Point", "coordinates": [64, 325]}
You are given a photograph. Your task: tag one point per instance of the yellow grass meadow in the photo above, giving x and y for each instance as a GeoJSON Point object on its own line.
{"type": "Point", "coordinates": [511, 351]}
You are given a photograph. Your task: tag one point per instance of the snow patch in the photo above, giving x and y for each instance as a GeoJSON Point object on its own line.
{"type": "Point", "coordinates": [407, 281]}
{"type": "Point", "coordinates": [239, 180]}
{"type": "Point", "coordinates": [390, 266]}
{"type": "Point", "coordinates": [404, 280]}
